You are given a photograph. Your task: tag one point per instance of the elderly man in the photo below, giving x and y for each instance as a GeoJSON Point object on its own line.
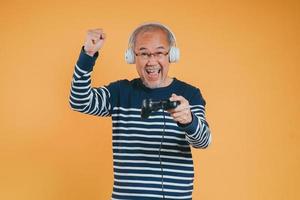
{"type": "Point", "coordinates": [152, 155]}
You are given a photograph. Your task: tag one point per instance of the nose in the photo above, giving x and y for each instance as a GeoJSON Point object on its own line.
{"type": "Point", "coordinates": [152, 60]}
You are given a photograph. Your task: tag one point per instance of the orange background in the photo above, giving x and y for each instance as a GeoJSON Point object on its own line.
{"type": "Point", "coordinates": [244, 55]}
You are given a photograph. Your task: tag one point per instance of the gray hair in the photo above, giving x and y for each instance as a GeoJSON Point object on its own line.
{"type": "Point", "coordinates": [151, 27]}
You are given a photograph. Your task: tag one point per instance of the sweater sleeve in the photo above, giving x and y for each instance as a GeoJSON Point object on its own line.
{"type": "Point", "coordinates": [84, 98]}
{"type": "Point", "coordinates": [197, 132]}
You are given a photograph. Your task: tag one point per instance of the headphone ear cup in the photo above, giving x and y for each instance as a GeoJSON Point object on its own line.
{"type": "Point", "coordinates": [129, 56]}
{"type": "Point", "coordinates": [174, 55]}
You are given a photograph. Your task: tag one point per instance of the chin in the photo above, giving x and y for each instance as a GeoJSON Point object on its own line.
{"type": "Point", "coordinates": [152, 85]}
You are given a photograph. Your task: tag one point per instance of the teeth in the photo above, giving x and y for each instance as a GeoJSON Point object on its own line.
{"type": "Point", "coordinates": [152, 70]}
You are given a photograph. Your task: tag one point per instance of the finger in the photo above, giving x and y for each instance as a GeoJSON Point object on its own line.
{"type": "Point", "coordinates": [180, 108]}
{"type": "Point", "coordinates": [183, 118]}
{"type": "Point", "coordinates": [97, 35]}
{"type": "Point", "coordinates": [94, 39]}
{"type": "Point", "coordinates": [184, 105]}
{"type": "Point", "coordinates": [102, 36]}
{"type": "Point", "coordinates": [174, 97]}
{"type": "Point", "coordinates": [179, 119]}
{"type": "Point", "coordinates": [95, 31]}
{"type": "Point", "coordinates": [180, 113]}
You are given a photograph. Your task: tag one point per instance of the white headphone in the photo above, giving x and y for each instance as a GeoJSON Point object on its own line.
{"type": "Point", "coordinates": [174, 53]}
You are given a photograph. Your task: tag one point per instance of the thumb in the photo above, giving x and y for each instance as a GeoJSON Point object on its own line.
{"type": "Point", "coordinates": [173, 97]}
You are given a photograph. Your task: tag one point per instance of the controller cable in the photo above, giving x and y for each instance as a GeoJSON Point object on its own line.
{"type": "Point", "coordinates": [159, 155]}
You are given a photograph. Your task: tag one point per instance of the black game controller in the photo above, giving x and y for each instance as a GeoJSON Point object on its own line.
{"type": "Point", "coordinates": [149, 105]}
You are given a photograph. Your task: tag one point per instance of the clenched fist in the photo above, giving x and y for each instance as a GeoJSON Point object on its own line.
{"type": "Point", "coordinates": [94, 41]}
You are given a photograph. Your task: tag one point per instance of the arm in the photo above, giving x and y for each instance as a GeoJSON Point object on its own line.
{"type": "Point", "coordinates": [83, 97]}
{"type": "Point", "coordinates": [191, 118]}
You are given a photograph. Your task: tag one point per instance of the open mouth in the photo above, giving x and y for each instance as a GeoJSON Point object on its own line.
{"type": "Point", "coordinates": [153, 71]}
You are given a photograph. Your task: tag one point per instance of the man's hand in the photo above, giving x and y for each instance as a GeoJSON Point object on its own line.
{"type": "Point", "coordinates": [182, 113]}
{"type": "Point", "coordinates": [94, 41]}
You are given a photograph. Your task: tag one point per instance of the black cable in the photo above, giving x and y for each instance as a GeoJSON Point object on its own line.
{"type": "Point", "coordinates": [161, 168]}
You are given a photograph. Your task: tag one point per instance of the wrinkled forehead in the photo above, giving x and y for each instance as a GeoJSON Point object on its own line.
{"type": "Point", "coordinates": [152, 40]}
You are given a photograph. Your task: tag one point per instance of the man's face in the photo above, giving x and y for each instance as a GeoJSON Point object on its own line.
{"type": "Point", "coordinates": [153, 70]}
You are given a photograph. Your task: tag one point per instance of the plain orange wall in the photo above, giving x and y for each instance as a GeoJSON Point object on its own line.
{"type": "Point", "coordinates": [244, 55]}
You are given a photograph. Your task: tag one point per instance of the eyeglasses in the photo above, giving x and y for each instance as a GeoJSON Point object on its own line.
{"type": "Point", "coordinates": [156, 55]}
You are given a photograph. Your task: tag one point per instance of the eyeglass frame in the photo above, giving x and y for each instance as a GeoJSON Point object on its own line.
{"type": "Point", "coordinates": [156, 55]}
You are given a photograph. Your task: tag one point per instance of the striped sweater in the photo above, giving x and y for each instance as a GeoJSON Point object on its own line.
{"type": "Point", "coordinates": [144, 168]}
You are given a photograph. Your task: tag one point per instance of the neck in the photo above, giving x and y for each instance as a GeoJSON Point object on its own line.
{"type": "Point", "coordinates": [166, 83]}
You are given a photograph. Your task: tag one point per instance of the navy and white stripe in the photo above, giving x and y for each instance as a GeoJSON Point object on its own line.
{"type": "Point", "coordinates": [136, 141]}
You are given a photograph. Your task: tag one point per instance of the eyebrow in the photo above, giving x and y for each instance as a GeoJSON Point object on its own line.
{"type": "Point", "coordinates": [143, 48]}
